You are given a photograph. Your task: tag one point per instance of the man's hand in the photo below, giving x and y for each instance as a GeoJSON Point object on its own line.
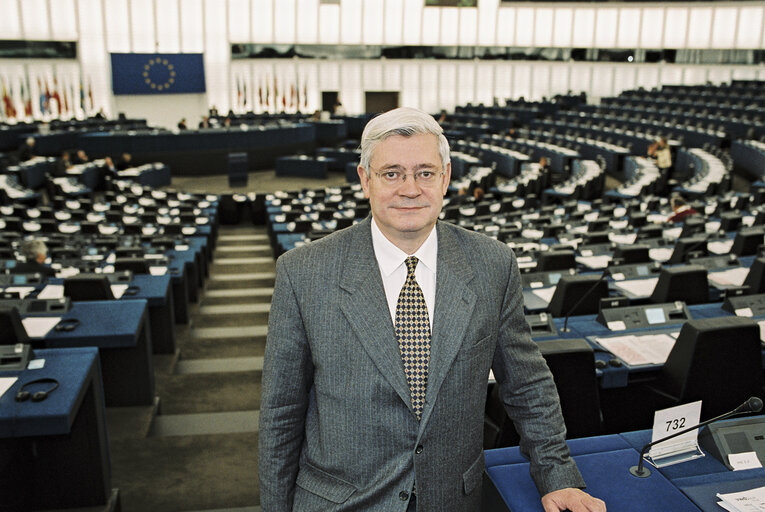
{"type": "Point", "coordinates": [571, 499]}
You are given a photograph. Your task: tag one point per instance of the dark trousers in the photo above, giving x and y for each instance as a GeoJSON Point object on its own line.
{"type": "Point", "coordinates": [412, 504]}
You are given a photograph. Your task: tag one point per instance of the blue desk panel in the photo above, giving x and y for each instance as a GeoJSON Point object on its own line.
{"type": "Point", "coordinates": [56, 452]}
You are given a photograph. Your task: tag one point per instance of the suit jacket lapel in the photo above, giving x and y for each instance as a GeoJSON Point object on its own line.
{"type": "Point", "coordinates": [455, 301]}
{"type": "Point", "coordinates": [366, 309]}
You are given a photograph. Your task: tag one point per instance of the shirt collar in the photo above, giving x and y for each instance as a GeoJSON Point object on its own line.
{"type": "Point", "coordinates": [389, 257]}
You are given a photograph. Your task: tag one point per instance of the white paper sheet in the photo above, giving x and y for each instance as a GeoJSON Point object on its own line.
{"type": "Point", "coordinates": [52, 291]}
{"type": "Point", "coordinates": [730, 277]}
{"type": "Point", "coordinates": [118, 290]}
{"type": "Point", "coordinates": [638, 287]}
{"type": "Point", "coordinates": [6, 383]}
{"type": "Point", "coordinates": [39, 326]}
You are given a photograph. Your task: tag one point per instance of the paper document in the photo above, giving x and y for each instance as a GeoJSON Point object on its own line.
{"type": "Point", "coordinates": [158, 271]}
{"type": "Point", "coordinates": [597, 262]}
{"type": "Point", "coordinates": [639, 350]}
{"type": "Point", "coordinates": [6, 383]}
{"type": "Point", "coordinates": [23, 291]}
{"type": "Point", "coordinates": [544, 293]}
{"type": "Point", "coordinates": [720, 247]}
{"type": "Point", "coordinates": [118, 290]}
{"type": "Point", "coordinates": [660, 253]}
{"type": "Point", "coordinates": [752, 500]}
{"type": "Point", "coordinates": [39, 326]}
{"type": "Point", "coordinates": [52, 291]}
{"type": "Point", "coordinates": [730, 277]}
{"type": "Point", "coordinates": [637, 287]}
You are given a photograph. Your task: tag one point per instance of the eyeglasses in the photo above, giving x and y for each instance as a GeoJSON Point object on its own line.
{"type": "Point", "coordinates": [423, 177]}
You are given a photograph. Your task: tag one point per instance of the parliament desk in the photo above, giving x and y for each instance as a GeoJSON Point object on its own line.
{"type": "Point", "coordinates": [302, 166]}
{"type": "Point", "coordinates": [197, 152]}
{"type": "Point", "coordinates": [55, 453]}
{"type": "Point", "coordinates": [120, 330]}
{"type": "Point", "coordinates": [604, 462]}
{"type": "Point", "coordinates": [158, 293]}
{"type": "Point", "coordinates": [156, 290]}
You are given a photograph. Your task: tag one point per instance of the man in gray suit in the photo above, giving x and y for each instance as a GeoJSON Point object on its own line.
{"type": "Point", "coordinates": [380, 341]}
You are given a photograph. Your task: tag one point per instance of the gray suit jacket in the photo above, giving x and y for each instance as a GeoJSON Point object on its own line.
{"type": "Point", "coordinates": [337, 431]}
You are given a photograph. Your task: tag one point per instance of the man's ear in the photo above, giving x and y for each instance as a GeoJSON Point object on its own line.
{"type": "Point", "coordinates": [364, 179]}
{"type": "Point", "coordinates": [447, 178]}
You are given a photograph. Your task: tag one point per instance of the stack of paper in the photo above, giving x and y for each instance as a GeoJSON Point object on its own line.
{"type": "Point", "coordinates": [752, 500]}
{"type": "Point", "coordinates": [637, 350]}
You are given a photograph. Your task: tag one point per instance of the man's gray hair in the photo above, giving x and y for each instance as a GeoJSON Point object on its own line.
{"type": "Point", "coordinates": [31, 248]}
{"type": "Point", "coordinates": [402, 121]}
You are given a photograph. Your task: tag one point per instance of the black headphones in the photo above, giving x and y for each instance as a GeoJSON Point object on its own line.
{"type": "Point", "coordinates": [67, 324]}
{"type": "Point", "coordinates": [37, 396]}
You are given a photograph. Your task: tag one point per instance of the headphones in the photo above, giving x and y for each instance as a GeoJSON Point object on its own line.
{"type": "Point", "coordinates": [67, 324]}
{"type": "Point", "coordinates": [38, 396]}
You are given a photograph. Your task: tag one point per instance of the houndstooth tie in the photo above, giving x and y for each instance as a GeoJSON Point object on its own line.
{"type": "Point", "coordinates": [413, 334]}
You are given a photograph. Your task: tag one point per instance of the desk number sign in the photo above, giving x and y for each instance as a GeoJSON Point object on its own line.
{"type": "Point", "coordinates": [681, 448]}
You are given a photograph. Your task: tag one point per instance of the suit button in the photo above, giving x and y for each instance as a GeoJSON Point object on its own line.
{"type": "Point", "coordinates": [418, 450]}
{"type": "Point", "coordinates": [403, 495]}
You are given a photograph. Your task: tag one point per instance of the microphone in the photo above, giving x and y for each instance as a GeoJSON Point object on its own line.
{"type": "Point", "coordinates": [581, 299]}
{"type": "Point", "coordinates": [753, 404]}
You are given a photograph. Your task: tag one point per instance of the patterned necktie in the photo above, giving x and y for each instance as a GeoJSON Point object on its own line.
{"type": "Point", "coordinates": [413, 334]}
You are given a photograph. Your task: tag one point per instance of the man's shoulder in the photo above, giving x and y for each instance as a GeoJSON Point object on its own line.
{"type": "Point", "coordinates": [472, 239]}
{"type": "Point", "coordinates": [319, 251]}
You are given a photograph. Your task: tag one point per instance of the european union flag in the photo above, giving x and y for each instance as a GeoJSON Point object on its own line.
{"type": "Point", "coordinates": [157, 73]}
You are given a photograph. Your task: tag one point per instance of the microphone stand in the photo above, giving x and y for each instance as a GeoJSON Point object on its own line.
{"type": "Point", "coordinates": [754, 404]}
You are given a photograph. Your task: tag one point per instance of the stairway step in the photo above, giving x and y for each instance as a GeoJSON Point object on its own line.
{"type": "Point", "coordinates": [240, 280]}
{"type": "Point", "coordinates": [239, 265]}
{"type": "Point", "coordinates": [205, 423]}
{"type": "Point", "coordinates": [225, 239]}
{"type": "Point", "coordinates": [253, 332]}
{"type": "Point", "coordinates": [237, 296]}
{"type": "Point", "coordinates": [232, 314]}
{"type": "Point", "coordinates": [220, 365]}
{"type": "Point", "coordinates": [236, 249]}
{"type": "Point", "coordinates": [216, 348]}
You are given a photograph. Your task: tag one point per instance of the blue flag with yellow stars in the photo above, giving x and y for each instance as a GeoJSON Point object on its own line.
{"type": "Point", "coordinates": [157, 73]}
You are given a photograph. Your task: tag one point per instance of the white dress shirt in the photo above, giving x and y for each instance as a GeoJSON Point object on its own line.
{"type": "Point", "coordinates": [391, 261]}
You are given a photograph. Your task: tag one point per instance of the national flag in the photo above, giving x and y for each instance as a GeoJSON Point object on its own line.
{"type": "Point", "coordinates": [260, 94]}
{"type": "Point", "coordinates": [90, 94]}
{"type": "Point", "coordinates": [57, 96]}
{"type": "Point", "coordinates": [293, 96]}
{"type": "Point", "coordinates": [26, 96]}
{"type": "Point", "coordinates": [238, 93]}
{"type": "Point", "coordinates": [7, 103]}
{"type": "Point", "coordinates": [82, 96]}
{"type": "Point", "coordinates": [244, 93]}
{"type": "Point", "coordinates": [305, 95]}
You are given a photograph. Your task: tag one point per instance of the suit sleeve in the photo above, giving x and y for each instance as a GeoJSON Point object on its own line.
{"type": "Point", "coordinates": [530, 396]}
{"type": "Point", "coordinates": [287, 380]}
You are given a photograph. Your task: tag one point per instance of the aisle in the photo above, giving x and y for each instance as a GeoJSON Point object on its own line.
{"type": "Point", "coordinates": [199, 452]}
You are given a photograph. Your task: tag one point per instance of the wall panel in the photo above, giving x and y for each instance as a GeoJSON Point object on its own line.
{"type": "Point", "coordinates": [262, 24]}
{"type": "Point", "coordinates": [449, 26]}
{"type": "Point", "coordinates": [394, 26]}
{"type": "Point", "coordinates": [10, 21]}
{"type": "Point", "coordinates": [652, 28]}
{"type": "Point", "coordinates": [64, 14]}
{"type": "Point", "coordinates": [192, 26]}
{"type": "Point", "coordinates": [563, 29]}
{"type": "Point", "coordinates": [750, 29]}
{"type": "Point", "coordinates": [168, 27]}
{"type": "Point", "coordinates": [700, 27]}
{"type": "Point", "coordinates": [584, 27]}
{"type": "Point", "coordinates": [329, 24]}
{"type": "Point", "coordinates": [373, 21]}
{"type": "Point", "coordinates": [35, 19]}
{"type": "Point", "coordinates": [117, 20]}
{"type": "Point", "coordinates": [142, 26]}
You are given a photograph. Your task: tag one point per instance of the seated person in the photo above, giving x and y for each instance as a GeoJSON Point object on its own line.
{"type": "Point", "coordinates": [125, 161]}
{"type": "Point", "coordinates": [680, 209]}
{"type": "Point", "coordinates": [62, 164]}
{"type": "Point", "coordinates": [26, 150]}
{"type": "Point", "coordinates": [80, 157]}
{"type": "Point", "coordinates": [34, 252]}
{"type": "Point", "coordinates": [182, 124]}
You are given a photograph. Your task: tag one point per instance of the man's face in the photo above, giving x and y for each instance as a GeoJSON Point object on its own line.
{"type": "Point", "coordinates": [405, 212]}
